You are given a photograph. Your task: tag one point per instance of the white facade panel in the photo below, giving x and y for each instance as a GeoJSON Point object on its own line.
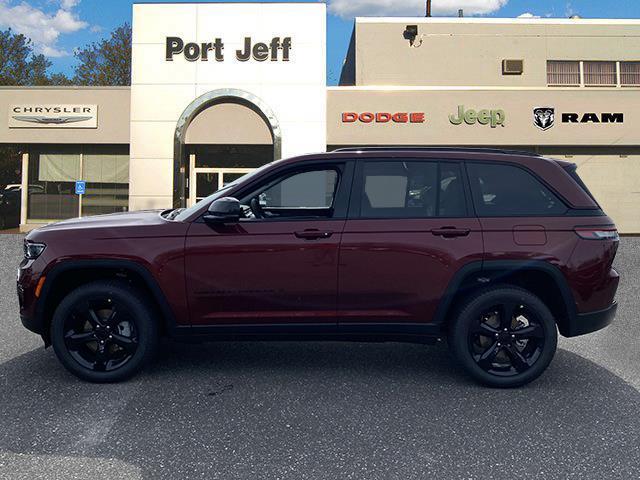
{"type": "Point", "coordinates": [207, 42]}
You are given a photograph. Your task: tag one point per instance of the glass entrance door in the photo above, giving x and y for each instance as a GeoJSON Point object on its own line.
{"type": "Point", "coordinates": [211, 167]}
{"type": "Point", "coordinates": [205, 181]}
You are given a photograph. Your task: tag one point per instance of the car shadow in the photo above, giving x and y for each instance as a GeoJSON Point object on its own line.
{"type": "Point", "coordinates": [319, 410]}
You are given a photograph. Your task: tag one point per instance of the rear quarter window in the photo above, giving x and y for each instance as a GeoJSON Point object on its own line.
{"type": "Point", "coordinates": [510, 191]}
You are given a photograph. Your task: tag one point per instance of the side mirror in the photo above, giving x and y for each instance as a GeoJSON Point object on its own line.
{"type": "Point", "coordinates": [223, 210]}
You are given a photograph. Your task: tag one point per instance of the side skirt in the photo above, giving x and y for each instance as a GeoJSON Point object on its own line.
{"type": "Point", "coordinates": [373, 333]}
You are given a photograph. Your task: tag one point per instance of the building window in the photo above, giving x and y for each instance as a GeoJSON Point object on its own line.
{"type": "Point", "coordinates": [630, 74]}
{"type": "Point", "coordinates": [563, 73]}
{"type": "Point", "coordinates": [106, 171]}
{"type": "Point", "coordinates": [53, 171]}
{"type": "Point", "coordinates": [600, 74]}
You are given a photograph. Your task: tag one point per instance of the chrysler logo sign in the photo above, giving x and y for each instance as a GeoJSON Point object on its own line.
{"type": "Point", "coordinates": [53, 116]}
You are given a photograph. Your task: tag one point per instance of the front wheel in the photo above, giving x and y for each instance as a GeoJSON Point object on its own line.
{"type": "Point", "coordinates": [104, 332]}
{"type": "Point", "coordinates": [504, 337]}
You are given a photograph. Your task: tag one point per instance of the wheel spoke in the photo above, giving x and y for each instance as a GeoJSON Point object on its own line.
{"type": "Point", "coordinates": [101, 358]}
{"type": "Point", "coordinates": [93, 318]}
{"type": "Point", "coordinates": [532, 331]}
{"type": "Point", "coordinates": [517, 360]}
{"type": "Point", "coordinates": [112, 321]}
{"type": "Point", "coordinates": [76, 340]}
{"type": "Point", "coordinates": [485, 330]}
{"type": "Point", "coordinates": [126, 343]}
{"type": "Point", "coordinates": [486, 359]}
{"type": "Point", "coordinates": [506, 315]}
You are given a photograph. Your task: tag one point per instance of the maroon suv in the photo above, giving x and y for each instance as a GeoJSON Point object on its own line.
{"type": "Point", "coordinates": [494, 250]}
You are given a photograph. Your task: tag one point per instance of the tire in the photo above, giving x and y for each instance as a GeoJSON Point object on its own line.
{"type": "Point", "coordinates": [497, 357]}
{"type": "Point", "coordinates": [104, 332]}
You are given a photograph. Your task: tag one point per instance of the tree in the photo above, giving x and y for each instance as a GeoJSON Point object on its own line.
{"type": "Point", "coordinates": [19, 65]}
{"type": "Point", "coordinates": [107, 63]}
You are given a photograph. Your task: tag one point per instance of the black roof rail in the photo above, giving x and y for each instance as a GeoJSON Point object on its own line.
{"type": "Point", "coordinates": [438, 149]}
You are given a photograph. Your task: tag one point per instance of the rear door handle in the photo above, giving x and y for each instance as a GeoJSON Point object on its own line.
{"type": "Point", "coordinates": [451, 232]}
{"type": "Point", "coordinates": [313, 234]}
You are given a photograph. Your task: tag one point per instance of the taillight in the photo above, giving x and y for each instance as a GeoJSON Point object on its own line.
{"type": "Point", "coordinates": [598, 233]}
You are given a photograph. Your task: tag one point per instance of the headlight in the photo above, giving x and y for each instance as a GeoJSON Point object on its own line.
{"type": "Point", "coordinates": [33, 250]}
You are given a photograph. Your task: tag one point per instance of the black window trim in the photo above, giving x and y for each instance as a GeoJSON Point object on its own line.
{"type": "Point", "coordinates": [357, 190]}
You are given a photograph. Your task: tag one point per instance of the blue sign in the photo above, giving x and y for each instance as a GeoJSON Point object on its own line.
{"type": "Point", "coordinates": [81, 187]}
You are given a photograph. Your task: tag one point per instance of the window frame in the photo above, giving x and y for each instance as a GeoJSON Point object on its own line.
{"type": "Point", "coordinates": [616, 74]}
{"type": "Point", "coordinates": [566, 85]}
{"type": "Point", "coordinates": [344, 168]}
{"type": "Point", "coordinates": [620, 73]}
{"type": "Point", "coordinates": [474, 198]}
{"type": "Point", "coordinates": [582, 80]}
{"type": "Point", "coordinates": [357, 190]}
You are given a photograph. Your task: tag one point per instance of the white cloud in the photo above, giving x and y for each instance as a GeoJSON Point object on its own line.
{"type": "Point", "coordinates": [44, 28]}
{"type": "Point", "coordinates": [528, 15]}
{"type": "Point", "coordinates": [351, 8]}
{"type": "Point", "coordinates": [69, 4]}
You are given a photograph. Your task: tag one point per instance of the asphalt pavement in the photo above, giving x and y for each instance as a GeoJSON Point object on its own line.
{"type": "Point", "coordinates": [321, 410]}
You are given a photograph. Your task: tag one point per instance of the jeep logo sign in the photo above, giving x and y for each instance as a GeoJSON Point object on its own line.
{"type": "Point", "coordinates": [483, 117]}
{"type": "Point", "coordinates": [275, 50]}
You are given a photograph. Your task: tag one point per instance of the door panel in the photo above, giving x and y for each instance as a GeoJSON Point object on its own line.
{"type": "Point", "coordinates": [396, 271]}
{"type": "Point", "coordinates": [410, 231]}
{"type": "Point", "coordinates": [261, 272]}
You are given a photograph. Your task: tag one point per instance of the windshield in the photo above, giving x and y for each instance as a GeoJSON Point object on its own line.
{"type": "Point", "coordinates": [187, 212]}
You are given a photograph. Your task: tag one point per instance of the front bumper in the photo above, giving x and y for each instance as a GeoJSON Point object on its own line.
{"type": "Point", "coordinates": [32, 324]}
{"type": "Point", "coordinates": [584, 323]}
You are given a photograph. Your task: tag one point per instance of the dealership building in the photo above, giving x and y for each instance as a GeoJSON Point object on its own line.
{"type": "Point", "coordinates": [220, 89]}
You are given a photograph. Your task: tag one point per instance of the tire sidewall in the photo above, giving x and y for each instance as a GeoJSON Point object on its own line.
{"type": "Point", "coordinates": [459, 333]}
{"type": "Point", "coordinates": [146, 328]}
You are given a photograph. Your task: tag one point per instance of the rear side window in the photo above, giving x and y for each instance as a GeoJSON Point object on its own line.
{"type": "Point", "coordinates": [509, 191]}
{"type": "Point", "coordinates": [411, 189]}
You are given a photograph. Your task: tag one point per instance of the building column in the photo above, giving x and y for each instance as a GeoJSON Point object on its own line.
{"type": "Point", "coordinates": [24, 193]}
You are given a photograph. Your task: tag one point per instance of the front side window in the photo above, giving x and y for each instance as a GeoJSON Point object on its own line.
{"type": "Point", "coordinates": [305, 194]}
{"type": "Point", "coordinates": [411, 189]}
{"type": "Point", "coordinates": [509, 191]}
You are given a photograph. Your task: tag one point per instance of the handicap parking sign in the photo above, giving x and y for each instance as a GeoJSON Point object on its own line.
{"type": "Point", "coordinates": [81, 187]}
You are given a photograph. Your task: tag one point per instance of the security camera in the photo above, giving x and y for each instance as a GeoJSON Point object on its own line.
{"type": "Point", "coordinates": [411, 33]}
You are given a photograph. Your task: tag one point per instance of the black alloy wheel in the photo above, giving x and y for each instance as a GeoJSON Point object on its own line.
{"type": "Point", "coordinates": [104, 331]}
{"type": "Point", "coordinates": [504, 336]}
{"type": "Point", "coordinates": [101, 335]}
{"type": "Point", "coordinates": [506, 339]}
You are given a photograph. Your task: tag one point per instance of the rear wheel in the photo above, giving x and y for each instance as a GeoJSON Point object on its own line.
{"type": "Point", "coordinates": [104, 332]}
{"type": "Point", "coordinates": [504, 337]}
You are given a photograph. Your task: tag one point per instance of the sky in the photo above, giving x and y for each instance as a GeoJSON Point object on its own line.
{"type": "Point", "coordinates": [58, 27]}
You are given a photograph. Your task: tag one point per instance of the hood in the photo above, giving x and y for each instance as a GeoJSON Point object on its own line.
{"type": "Point", "coordinates": [140, 218]}
{"type": "Point", "coordinates": [138, 224]}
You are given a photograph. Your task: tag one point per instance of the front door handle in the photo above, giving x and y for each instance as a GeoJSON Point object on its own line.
{"type": "Point", "coordinates": [451, 232]}
{"type": "Point", "coordinates": [313, 234]}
